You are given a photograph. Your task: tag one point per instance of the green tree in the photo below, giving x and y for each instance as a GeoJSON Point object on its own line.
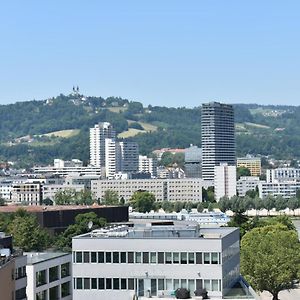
{"type": "Point", "coordinates": [142, 201]}
{"type": "Point", "coordinates": [83, 197]}
{"type": "Point", "coordinates": [27, 233]}
{"type": "Point", "coordinates": [2, 202]}
{"type": "Point", "coordinates": [210, 207]}
{"type": "Point", "coordinates": [110, 198]}
{"type": "Point", "coordinates": [242, 171]}
{"type": "Point", "coordinates": [65, 197]}
{"type": "Point", "coordinates": [270, 258]}
{"type": "Point", "coordinates": [200, 207]}
{"type": "Point", "coordinates": [166, 159]}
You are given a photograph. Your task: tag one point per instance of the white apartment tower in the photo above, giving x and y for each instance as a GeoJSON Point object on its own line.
{"type": "Point", "coordinates": [148, 165]}
{"type": "Point", "coordinates": [98, 134]}
{"type": "Point", "coordinates": [111, 158]}
{"type": "Point", "coordinates": [225, 181]}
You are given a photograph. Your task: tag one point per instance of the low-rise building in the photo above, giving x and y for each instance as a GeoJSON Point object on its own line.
{"type": "Point", "coordinates": [27, 193]}
{"type": "Point", "coordinates": [245, 184]}
{"type": "Point", "coordinates": [286, 189]}
{"type": "Point", "coordinates": [225, 181]}
{"type": "Point", "coordinates": [251, 163]}
{"type": "Point", "coordinates": [282, 174]}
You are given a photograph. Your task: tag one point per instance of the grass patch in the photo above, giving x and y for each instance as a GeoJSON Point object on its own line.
{"type": "Point", "coordinates": [63, 133]}
{"type": "Point", "coordinates": [117, 109]}
{"type": "Point", "coordinates": [130, 133]}
{"type": "Point", "coordinates": [257, 125]}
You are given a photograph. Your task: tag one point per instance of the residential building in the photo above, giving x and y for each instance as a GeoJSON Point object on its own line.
{"type": "Point", "coordinates": [286, 189]}
{"type": "Point", "coordinates": [225, 181]}
{"type": "Point", "coordinates": [148, 165]}
{"type": "Point", "coordinates": [282, 174]}
{"type": "Point", "coordinates": [98, 134]}
{"type": "Point", "coordinates": [6, 189]}
{"type": "Point", "coordinates": [128, 157]}
{"type": "Point", "coordinates": [193, 162]}
{"type": "Point", "coordinates": [245, 184]}
{"type": "Point", "coordinates": [163, 189]}
{"type": "Point", "coordinates": [152, 260]}
{"type": "Point", "coordinates": [49, 191]}
{"type": "Point", "coordinates": [49, 276]}
{"type": "Point", "coordinates": [26, 193]}
{"type": "Point", "coordinates": [111, 158]}
{"type": "Point", "coordinates": [218, 138]}
{"type": "Point", "coordinates": [251, 163]}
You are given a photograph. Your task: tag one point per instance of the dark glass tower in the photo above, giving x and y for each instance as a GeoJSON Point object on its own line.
{"type": "Point", "coordinates": [218, 140]}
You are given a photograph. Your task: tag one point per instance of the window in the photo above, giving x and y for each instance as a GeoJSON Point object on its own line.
{"type": "Point", "coordinates": [183, 258]}
{"type": "Point", "coordinates": [108, 283]}
{"type": "Point", "coordinates": [94, 283]}
{"type": "Point", "coordinates": [153, 287]}
{"type": "Point", "coordinates": [101, 283]}
{"type": "Point", "coordinates": [53, 273]}
{"type": "Point", "coordinates": [176, 258]}
{"type": "Point", "coordinates": [146, 257]}
{"type": "Point", "coordinates": [206, 258]}
{"type": "Point", "coordinates": [214, 285]}
{"type": "Point", "coordinates": [65, 289]}
{"type": "Point", "coordinates": [176, 284]}
{"type": "Point", "coordinates": [79, 257]}
{"type": "Point", "coordinates": [161, 257]}
{"type": "Point", "coordinates": [116, 283]}
{"type": "Point", "coordinates": [116, 258]}
{"type": "Point", "coordinates": [191, 285]}
{"type": "Point", "coordinates": [20, 294]}
{"type": "Point", "coordinates": [54, 293]}
{"type": "Point", "coordinates": [130, 284]}
{"type": "Point", "coordinates": [86, 283]}
{"type": "Point", "coordinates": [123, 284]}
{"type": "Point", "coordinates": [123, 257]}
{"type": "Point", "coordinates": [86, 257]}
{"type": "Point", "coordinates": [215, 258]}
{"type": "Point", "coordinates": [153, 257]}
{"type": "Point", "coordinates": [65, 270]}
{"type": "Point", "coordinates": [160, 284]}
{"type": "Point", "coordinates": [198, 258]}
{"type": "Point", "coordinates": [130, 257]}
{"type": "Point", "coordinates": [198, 284]}
{"type": "Point", "coordinates": [108, 257]}
{"type": "Point", "coordinates": [206, 284]}
{"type": "Point", "coordinates": [79, 283]}
{"type": "Point", "coordinates": [93, 257]}
{"type": "Point", "coordinates": [100, 257]}
{"type": "Point", "coordinates": [168, 257]}
{"type": "Point", "coordinates": [138, 257]}
{"type": "Point", "coordinates": [191, 258]}
{"type": "Point", "coordinates": [183, 283]}
{"type": "Point", "coordinates": [169, 285]}
{"type": "Point", "coordinates": [41, 278]}
{"type": "Point", "coordinates": [41, 295]}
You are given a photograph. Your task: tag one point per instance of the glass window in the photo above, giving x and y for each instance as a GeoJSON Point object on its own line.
{"type": "Point", "coordinates": [183, 283]}
{"type": "Point", "coordinates": [153, 287]}
{"type": "Point", "coordinates": [176, 284]}
{"type": "Point", "coordinates": [191, 285]}
{"type": "Point", "coordinates": [54, 293]}
{"type": "Point", "coordinates": [79, 257]}
{"type": "Point", "coordinates": [138, 257]}
{"type": "Point", "coordinates": [86, 283]}
{"type": "Point", "coordinates": [130, 284]}
{"type": "Point", "coordinates": [79, 283]}
{"type": "Point", "coordinates": [130, 258]}
{"type": "Point", "coordinates": [41, 278]}
{"type": "Point", "coordinates": [123, 284]}
{"type": "Point", "coordinates": [206, 284]}
{"type": "Point", "coordinates": [153, 257]}
{"type": "Point", "coordinates": [65, 289]}
{"type": "Point", "coordinates": [86, 257]}
{"type": "Point", "coordinates": [123, 257]}
{"type": "Point", "coordinates": [94, 283]}
{"type": "Point", "coordinates": [206, 258]}
{"type": "Point", "coordinates": [101, 283]}
{"type": "Point", "coordinates": [108, 283]}
{"type": "Point", "coordinates": [116, 283]}
{"type": "Point", "coordinates": [198, 258]}
{"type": "Point", "coordinates": [65, 270]}
{"type": "Point", "coordinates": [169, 285]}
{"type": "Point", "coordinates": [161, 257]}
{"type": "Point", "coordinates": [183, 258]}
{"type": "Point", "coordinates": [168, 257]}
{"type": "Point", "coordinates": [160, 284]}
{"type": "Point", "coordinates": [53, 273]}
{"type": "Point", "coordinates": [108, 257]}
{"type": "Point", "coordinates": [116, 258]}
{"type": "Point", "coordinates": [214, 285]}
{"type": "Point", "coordinates": [191, 258]}
{"type": "Point", "coordinates": [93, 257]}
{"type": "Point", "coordinates": [198, 284]}
{"type": "Point", "coordinates": [100, 257]}
{"type": "Point", "coordinates": [176, 258]}
{"type": "Point", "coordinates": [146, 257]}
{"type": "Point", "coordinates": [40, 296]}
{"type": "Point", "coordinates": [215, 258]}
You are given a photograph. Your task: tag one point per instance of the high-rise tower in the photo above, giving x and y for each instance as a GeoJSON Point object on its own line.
{"type": "Point", "coordinates": [218, 139]}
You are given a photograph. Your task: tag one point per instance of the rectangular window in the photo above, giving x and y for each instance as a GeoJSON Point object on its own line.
{"type": "Point", "coordinates": [168, 257]}
{"type": "Point", "coordinates": [206, 284]}
{"type": "Point", "coordinates": [54, 292]}
{"type": "Point", "coordinates": [79, 257]}
{"type": "Point", "coordinates": [183, 283]}
{"type": "Point", "coordinates": [169, 285]}
{"type": "Point", "coordinates": [86, 257]}
{"type": "Point", "coordinates": [191, 285]}
{"type": "Point", "coordinates": [153, 258]}
{"type": "Point", "coordinates": [123, 284]}
{"type": "Point", "coordinates": [138, 257]}
{"type": "Point", "coordinates": [108, 283]}
{"type": "Point", "coordinates": [116, 283]}
{"type": "Point", "coordinates": [108, 257]}
{"type": "Point", "coordinates": [40, 278]}
{"type": "Point", "coordinates": [79, 285]}
{"type": "Point", "coordinates": [130, 258]}
{"type": "Point", "coordinates": [65, 289]}
{"type": "Point", "coordinates": [176, 284]}
{"type": "Point", "coordinates": [53, 274]}
{"type": "Point", "coordinates": [183, 258]}
{"type": "Point", "coordinates": [191, 258]}
{"type": "Point", "coordinates": [206, 258]}
{"type": "Point", "coordinates": [199, 284]}
{"type": "Point", "coordinates": [214, 258]}
{"type": "Point", "coordinates": [130, 284]}
{"type": "Point", "coordinates": [100, 257]}
{"type": "Point", "coordinates": [94, 283]}
{"type": "Point", "coordinates": [41, 295]}
{"type": "Point", "coordinates": [153, 287]}
{"type": "Point", "coordinates": [123, 257]}
{"type": "Point", "coordinates": [86, 283]}
{"type": "Point", "coordinates": [101, 283]}
{"type": "Point", "coordinates": [93, 257]}
{"type": "Point", "coordinates": [176, 258]}
{"type": "Point", "coordinates": [214, 285]}
{"type": "Point", "coordinates": [116, 258]}
{"type": "Point", "coordinates": [160, 284]}
{"type": "Point", "coordinates": [145, 257]}
{"type": "Point", "coordinates": [198, 258]}
{"type": "Point", "coordinates": [65, 270]}
{"type": "Point", "coordinates": [161, 257]}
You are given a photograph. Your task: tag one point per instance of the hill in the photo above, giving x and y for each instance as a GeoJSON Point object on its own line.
{"type": "Point", "coordinates": [38, 131]}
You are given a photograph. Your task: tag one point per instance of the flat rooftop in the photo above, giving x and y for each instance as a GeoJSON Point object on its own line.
{"type": "Point", "coordinates": [38, 257]}
{"type": "Point", "coordinates": [157, 230]}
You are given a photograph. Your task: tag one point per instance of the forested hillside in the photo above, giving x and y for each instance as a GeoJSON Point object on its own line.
{"type": "Point", "coordinates": [38, 131]}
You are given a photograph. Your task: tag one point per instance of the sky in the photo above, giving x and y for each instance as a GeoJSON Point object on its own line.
{"type": "Point", "coordinates": [169, 53]}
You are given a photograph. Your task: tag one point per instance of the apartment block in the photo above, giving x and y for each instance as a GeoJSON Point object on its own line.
{"type": "Point", "coordinates": [245, 184]}
{"type": "Point", "coordinates": [286, 189]}
{"type": "Point", "coordinates": [148, 165]}
{"type": "Point", "coordinates": [283, 174]}
{"type": "Point", "coordinates": [225, 181]}
{"type": "Point", "coordinates": [251, 163]}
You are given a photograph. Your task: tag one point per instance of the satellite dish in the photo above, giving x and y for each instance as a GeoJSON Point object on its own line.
{"type": "Point", "coordinates": [90, 224]}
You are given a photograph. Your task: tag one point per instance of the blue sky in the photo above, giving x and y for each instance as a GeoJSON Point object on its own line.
{"type": "Point", "coordinates": [172, 53]}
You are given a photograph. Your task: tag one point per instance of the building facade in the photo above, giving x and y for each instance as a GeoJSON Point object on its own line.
{"type": "Point", "coordinates": [251, 163]}
{"type": "Point", "coordinates": [27, 193]}
{"type": "Point", "coordinates": [128, 157]}
{"type": "Point", "coordinates": [286, 189]}
{"type": "Point", "coordinates": [193, 162]}
{"type": "Point", "coordinates": [225, 181]}
{"type": "Point", "coordinates": [218, 138]}
{"type": "Point", "coordinates": [245, 184]}
{"type": "Point", "coordinates": [282, 174]}
{"type": "Point", "coordinates": [148, 165]}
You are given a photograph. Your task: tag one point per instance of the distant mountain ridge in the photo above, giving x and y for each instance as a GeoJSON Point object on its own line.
{"type": "Point", "coordinates": [38, 131]}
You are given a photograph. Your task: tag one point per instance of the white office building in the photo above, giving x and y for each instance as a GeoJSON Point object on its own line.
{"type": "Point", "coordinates": [148, 165]}
{"type": "Point", "coordinates": [49, 276]}
{"type": "Point", "coordinates": [286, 189]}
{"type": "Point", "coordinates": [245, 184]}
{"type": "Point", "coordinates": [49, 191]}
{"type": "Point", "coordinates": [152, 261]}
{"type": "Point", "coordinates": [282, 174]}
{"type": "Point", "coordinates": [60, 163]}
{"type": "Point", "coordinates": [225, 181]}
